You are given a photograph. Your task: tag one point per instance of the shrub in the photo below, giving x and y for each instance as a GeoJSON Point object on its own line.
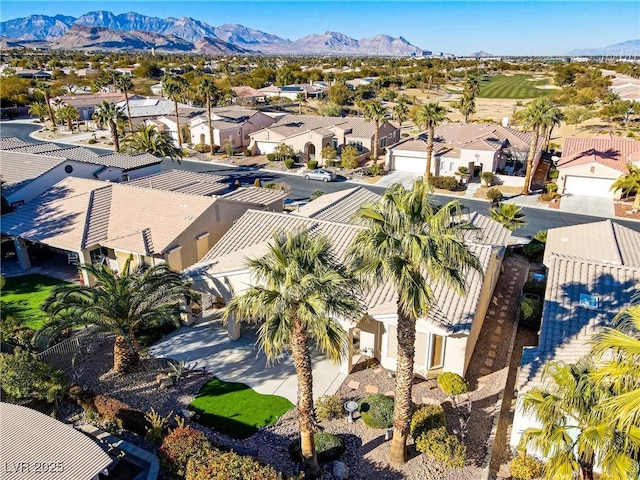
{"type": "Point", "coordinates": [551, 187]}
{"type": "Point", "coordinates": [84, 398]}
{"type": "Point", "coordinates": [177, 447]}
{"type": "Point", "coordinates": [487, 177]}
{"type": "Point", "coordinates": [350, 157]}
{"type": "Point", "coordinates": [121, 414]}
{"type": "Point", "coordinates": [315, 194]}
{"type": "Point", "coordinates": [445, 183]}
{"type": "Point", "coordinates": [312, 164]}
{"type": "Point", "coordinates": [530, 313]}
{"type": "Point", "coordinates": [376, 411]}
{"type": "Point", "coordinates": [133, 420]}
{"type": "Point", "coordinates": [289, 163]}
{"type": "Point", "coordinates": [534, 250]}
{"type": "Point", "coordinates": [108, 407]}
{"type": "Point", "coordinates": [554, 173]}
{"type": "Point", "coordinates": [376, 169]}
{"type": "Point", "coordinates": [439, 445]}
{"type": "Point", "coordinates": [236, 184]}
{"type": "Point", "coordinates": [425, 418]}
{"type": "Point", "coordinates": [25, 377]}
{"type": "Point", "coordinates": [329, 407]}
{"type": "Point", "coordinates": [271, 157]}
{"type": "Point", "coordinates": [92, 141]}
{"type": "Point", "coordinates": [328, 447]}
{"type": "Point", "coordinates": [494, 195]}
{"type": "Point", "coordinates": [216, 465]}
{"type": "Point", "coordinates": [452, 383]}
{"type": "Point", "coordinates": [257, 182]}
{"type": "Point", "coordinates": [534, 287]}
{"type": "Point", "coordinates": [157, 425]}
{"type": "Point", "coordinates": [247, 152]}
{"type": "Point", "coordinates": [547, 197]}
{"type": "Point", "coordinates": [525, 468]}
{"type": "Point", "coordinates": [330, 163]}
{"type": "Point", "coordinates": [202, 148]}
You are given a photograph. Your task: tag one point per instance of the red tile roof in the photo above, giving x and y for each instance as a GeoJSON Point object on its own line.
{"type": "Point", "coordinates": [610, 151]}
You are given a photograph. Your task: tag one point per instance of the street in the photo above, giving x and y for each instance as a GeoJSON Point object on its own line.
{"type": "Point", "coordinates": [537, 218]}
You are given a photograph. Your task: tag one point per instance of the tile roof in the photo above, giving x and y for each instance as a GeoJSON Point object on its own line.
{"type": "Point", "coordinates": [27, 435]}
{"type": "Point", "coordinates": [35, 148]}
{"type": "Point", "coordinates": [77, 213]}
{"type": "Point", "coordinates": [127, 162]}
{"type": "Point", "coordinates": [257, 195]}
{"type": "Point", "coordinates": [88, 100]}
{"type": "Point", "coordinates": [11, 142]}
{"type": "Point", "coordinates": [19, 168]}
{"type": "Point", "coordinates": [339, 206]}
{"type": "Point", "coordinates": [183, 181]}
{"type": "Point", "coordinates": [610, 151]}
{"type": "Point", "coordinates": [81, 154]}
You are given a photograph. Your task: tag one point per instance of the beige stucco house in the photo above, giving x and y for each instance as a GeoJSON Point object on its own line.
{"type": "Point", "coordinates": [445, 338]}
{"type": "Point", "coordinates": [588, 166]}
{"type": "Point", "coordinates": [308, 135]}
{"type": "Point", "coordinates": [235, 123]}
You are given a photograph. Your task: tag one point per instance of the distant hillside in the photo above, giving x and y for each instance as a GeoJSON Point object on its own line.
{"type": "Point", "coordinates": [133, 31]}
{"type": "Point", "coordinates": [630, 48]}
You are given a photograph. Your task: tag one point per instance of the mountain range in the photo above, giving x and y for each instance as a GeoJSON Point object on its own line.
{"type": "Point", "coordinates": [102, 30]}
{"type": "Point", "coordinates": [630, 48]}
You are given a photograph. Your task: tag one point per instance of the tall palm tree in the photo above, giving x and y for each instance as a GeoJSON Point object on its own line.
{"type": "Point", "coordinates": [148, 139]}
{"type": "Point", "coordinates": [301, 98]}
{"type": "Point", "coordinates": [118, 304]}
{"type": "Point", "coordinates": [412, 243]}
{"type": "Point", "coordinates": [554, 119]}
{"type": "Point", "coordinates": [573, 435]}
{"type": "Point", "coordinates": [472, 85]}
{"type": "Point", "coordinates": [44, 89]}
{"type": "Point", "coordinates": [375, 112]}
{"type": "Point", "coordinates": [621, 370]}
{"type": "Point", "coordinates": [466, 105]}
{"type": "Point", "coordinates": [401, 111]}
{"type": "Point", "coordinates": [175, 88]}
{"type": "Point", "coordinates": [124, 83]}
{"type": "Point", "coordinates": [68, 113]}
{"type": "Point", "coordinates": [430, 116]}
{"type": "Point", "coordinates": [40, 110]}
{"type": "Point", "coordinates": [301, 290]}
{"type": "Point", "coordinates": [629, 182]}
{"type": "Point", "coordinates": [108, 115]}
{"type": "Point", "coordinates": [537, 115]}
{"type": "Point", "coordinates": [207, 89]}
{"type": "Point", "coordinates": [509, 215]}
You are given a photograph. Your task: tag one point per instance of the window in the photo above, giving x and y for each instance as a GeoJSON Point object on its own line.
{"type": "Point", "coordinates": [68, 168]}
{"type": "Point", "coordinates": [443, 166]}
{"type": "Point", "coordinates": [436, 357]}
{"type": "Point", "coordinates": [452, 166]}
{"type": "Point", "coordinates": [383, 142]}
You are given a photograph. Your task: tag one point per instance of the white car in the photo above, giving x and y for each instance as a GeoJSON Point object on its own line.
{"type": "Point", "coordinates": [320, 174]}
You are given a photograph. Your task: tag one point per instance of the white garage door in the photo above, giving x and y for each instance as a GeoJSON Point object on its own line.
{"type": "Point", "coordinates": [409, 164]}
{"type": "Point", "coordinates": [594, 187]}
{"type": "Point", "coordinates": [266, 147]}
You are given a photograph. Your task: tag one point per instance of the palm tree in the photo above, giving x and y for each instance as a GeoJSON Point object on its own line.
{"type": "Point", "coordinates": [45, 90]}
{"type": "Point", "coordinates": [124, 83]}
{"type": "Point", "coordinates": [466, 105]}
{"type": "Point", "coordinates": [118, 304]}
{"type": "Point", "coordinates": [412, 243]}
{"type": "Point", "coordinates": [207, 89]}
{"type": "Point", "coordinates": [301, 98]}
{"type": "Point", "coordinates": [148, 139]}
{"type": "Point", "coordinates": [375, 112]}
{"type": "Point", "coordinates": [538, 114]}
{"type": "Point", "coordinates": [108, 115]}
{"type": "Point", "coordinates": [401, 111]}
{"type": "Point", "coordinates": [68, 113]}
{"type": "Point", "coordinates": [509, 215]}
{"type": "Point", "coordinates": [620, 345]}
{"type": "Point", "coordinates": [174, 88]}
{"type": "Point", "coordinates": [40, 110]}
{"type": "Point", "coordinates": [430, 116]}
{"type": "Point", "coordinates": [301, 290]}
{"type": "Point", "coordinates": [472, 85]}
{"type": "Point", "coordinates": [629, 183]}
{"type": "Point", "coordinates": [573, 435]}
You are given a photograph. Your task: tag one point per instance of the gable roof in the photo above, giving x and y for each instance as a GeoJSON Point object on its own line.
{"type": "Point", "coordinates": [20, 168]}
{"type": "Point", "coordinates": [183, 181]}
{"type": "Point", "coordinates": [12, 142]}
{"type": "Point", "coordinates": [338, 206]}
{"type": "Point", "coordinates": [78, 213]}
{"type": "Point", "coordinates": [610, 151]}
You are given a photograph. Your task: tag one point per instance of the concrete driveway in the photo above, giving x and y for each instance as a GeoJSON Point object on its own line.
{"type": "Point", "coordinates": [587, 205]}
{"type": "Point", "coordinates": [207, 344]}
{"type": "Point", "coordinates": [405, 178]}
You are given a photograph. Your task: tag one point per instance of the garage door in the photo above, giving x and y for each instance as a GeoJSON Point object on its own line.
{"type": "Point", "coordinates": [409, 164]}
{"type": "Point", "coordinates": [595, 187]}
{"type": "Point", "coordinates": [266, 147]}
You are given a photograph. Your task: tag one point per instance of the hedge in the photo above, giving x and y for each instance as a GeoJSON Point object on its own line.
{"type": "Point", "coordinates": [425, 418]}
{"type": "Point", "coordinates": [530, 313]}
{"type": "Point", "coordinates": [439, 445]}
{"type": "Point", "coordinates": [180, 445]}
{"type": "Point", "coordinates": [216, 465]}
{"type": "Point", "coordinates": [312, 164]}
{"type": "Point", "coordinates": [446, 183]}
{"type": "Point", "coordinates": [376, 411]}
{"type": "Point", "coordinates": [535, 287]}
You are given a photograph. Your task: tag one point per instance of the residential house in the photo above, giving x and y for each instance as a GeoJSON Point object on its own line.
{"type": "Point", "coordinates": [145, 109]}
{"type": "Point", "coordinates": [86, 104]}
{"type": "Point", "coordinates": [360, 82]}
{"type": "Point", "coordinates": [593, 270]}
{"type": "Point", "coordinates": [233, 123]}
{"type": "Point", "coordinates": [30, 169]}
{"type": "Point", "coordinates": [33, 74]}
{"type": "Point", "coordinates": [480, 148]}
{"type": "Point", "coordinates": [34, 444]}
{"type": "Point", "coordinates": [308, 135]}
{"type": "Point", "coordinates": [445, 338]}
{"type": "Point", "coordinates": [309, 90]}
{"type": "Point", "coordinates": [588, 166]}
{"type": "Point", "coordinates": [94, 222]}
{"type": "Point", "coordinates": [245, 95]}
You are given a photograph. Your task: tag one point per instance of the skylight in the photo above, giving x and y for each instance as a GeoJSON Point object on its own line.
{"type": "Point", "coordinates": [589, 301]}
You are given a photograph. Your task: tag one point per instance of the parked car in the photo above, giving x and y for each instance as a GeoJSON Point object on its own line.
{"type": "Point", "coordinates": [320, 174]}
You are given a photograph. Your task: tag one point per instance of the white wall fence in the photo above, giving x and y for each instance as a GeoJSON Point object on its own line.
{"type": "Point", "coordinates": [74, 350]}
{"type": "Point", "coordinates": [508, 180]}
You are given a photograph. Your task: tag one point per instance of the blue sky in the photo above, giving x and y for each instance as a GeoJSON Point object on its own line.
{"type": "Point", "coordinates": [500, 27]}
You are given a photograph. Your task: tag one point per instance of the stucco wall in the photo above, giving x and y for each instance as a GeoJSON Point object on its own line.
{"type": "Point", "coordinates": [599, 171]}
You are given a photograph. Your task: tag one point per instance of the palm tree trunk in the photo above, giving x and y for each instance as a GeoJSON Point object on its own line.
{"type": "Point", "coordinates": [586, 472]}
{"type": "Point", "coordinates": [636, 201]}
{"type": "Point", "coordinates": [306, 415]}
{"type": "Point", "coordinates": [427, 172]}
{"type": "Point", "coordinates": [114, 136]}
{"type": "Point", "coordinates": [404, 385]}
{"type": "Point", "coordinates": [175, 104]}
{"type": "Point", "coordinates": [70, 125]}
{"type": "Point", "coordinates": [47, 100]}
{"type": "Point", "coordinates": [126, 100]}
{"type": "Point", "coordinates": [210, 125]}
{"type": "Point", "coordinates": [125, 354]}
{"type": "Point", "coordinates": [530, 158]}
{"type": "Point", "coordinates": [376, 142]}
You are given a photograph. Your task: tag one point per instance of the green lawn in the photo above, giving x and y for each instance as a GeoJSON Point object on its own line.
{"type": "Point", "coordinates": [235, 409]}
{"type": "Point", "coordinates": [23, 296]}
{"type": "Point", "coordinates": [512, 86]}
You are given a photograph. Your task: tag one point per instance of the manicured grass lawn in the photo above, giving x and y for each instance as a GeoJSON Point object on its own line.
{"type": "Point", "coordinates": [24, 295]}
{"type": "Point", "coordinates": [235, 409]}
{"type": "Point", "coordinates": [513, 86]}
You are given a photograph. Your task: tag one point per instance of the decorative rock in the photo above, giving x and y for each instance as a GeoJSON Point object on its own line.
{"type": "Point", "coordinates": [484, 371]}
{"type": "Point", "coordinates": [340, 471]}
{"type": "Point", "coordinates": [390, 393]}
{"type": "Point", "coordinates": [491, 354]}
{"type": "Point", "coordinates": [164, 381]}
{"type": "Point", "coordinates": [354, 385]}
{"type": "Point", "coordinates": [371, 389]}
{"type": "Point", "coordinates": [489, 362]}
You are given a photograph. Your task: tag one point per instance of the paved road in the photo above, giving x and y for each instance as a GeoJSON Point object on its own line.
{"type": "Point", "coordinates": [538, 219]}
{"type": "Point", "coordinates": [22, 131]}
